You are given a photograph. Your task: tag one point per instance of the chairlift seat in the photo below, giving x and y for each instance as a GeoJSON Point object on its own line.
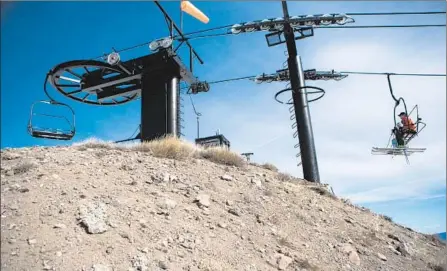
{"type": "Point", "coordinates": [51, 134]}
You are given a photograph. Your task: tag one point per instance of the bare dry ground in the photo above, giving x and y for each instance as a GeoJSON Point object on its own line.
{"type": "Point", "coordinates": [170, 206]}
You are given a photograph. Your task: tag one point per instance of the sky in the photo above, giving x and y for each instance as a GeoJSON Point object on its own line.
{"type": "Point", "coordinates": [355, 114]}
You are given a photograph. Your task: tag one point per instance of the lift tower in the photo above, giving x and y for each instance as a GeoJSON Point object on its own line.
{"type": "Point", "coordinates": [154, 78]}
{"type": "Point", "coordinates": [302, 114]}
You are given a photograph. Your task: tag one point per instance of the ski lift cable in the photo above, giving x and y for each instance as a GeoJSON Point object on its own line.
{"type": "Point", "coordinates": [177, 37]}
{"type": "Point", "coordinates": [327, 27]}
{"type": "Point", "coordinates": [347, 72]}
{"type": "Point", "coordinates": [402, 74]}
{"type": "Point", "coordinates": [395, 13]}
{"type": "Point", "coordinates": [348, 14]}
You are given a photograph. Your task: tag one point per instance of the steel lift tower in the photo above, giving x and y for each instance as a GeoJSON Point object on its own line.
{"type": "Point", "coordinates": [155, 78]}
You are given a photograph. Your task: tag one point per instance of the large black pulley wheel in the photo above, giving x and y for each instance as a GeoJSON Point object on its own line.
{"type": "Point", "coordinates": [95, 82]}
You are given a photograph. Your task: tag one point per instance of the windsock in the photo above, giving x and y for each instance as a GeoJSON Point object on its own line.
{"type": "Point", "coordinates": [189, 8]}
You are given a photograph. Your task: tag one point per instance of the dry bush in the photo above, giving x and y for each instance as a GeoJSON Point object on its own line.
{"type": "Point", "coordinates": [222, 156]}
{"type": "Point", "coordinates": [322, 191]}
{"type": "Point", "coordinates": [171, 147]}
{"type": "Point", "coordinates": [94, 143]}
{"type": "Point", "coordinates": [24, 167]}
{"type": "Point", "coordinates": [283, 241]}
{"type": "Point", "coordinates": [387, 218]}
{"type": "Point", "coordinates": [270, 167]}
{"type": "Point", "coordinates": [167, 147]}
{"type": "Point", "coordinates": [284, 177]}
{"type": "Point", "coordinates": [305, 265]}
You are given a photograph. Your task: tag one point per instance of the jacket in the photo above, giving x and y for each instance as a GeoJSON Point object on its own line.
{"type": "Point", "coordinates": [408, 124]}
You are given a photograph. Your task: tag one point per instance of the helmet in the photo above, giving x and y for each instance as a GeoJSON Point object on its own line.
{"type": "Point", "coordinates": [402, 114]}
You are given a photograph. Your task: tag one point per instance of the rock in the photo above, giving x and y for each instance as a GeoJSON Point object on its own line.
{"type": "Point", "coordinates": [203, 200]}
{"type": "Point", "coordinates": [161, 178]}
{"type": "Point", "coordinates": [92, 216]}
{"type": "Point", "coordinates": [394, 237]}
{"type": "Point", "coordinates": [350, 250]}
{"type": "Point", "coordinates": [354, 257]}
{"type": "Point", "coordinates": [163, 265]}
{"type": "Point", "coordinates": [256, 182]}
{"type": "Point", "coordinates": [109, 250]}
{"type": "Point", "coordinates": [222, 225]}
{"type": "Point", "coordinates": [32, 241]}
{"type": "Point", "coordinates": [140, 263]}
{"type": "Point", "coordinates": [168, 204]}
{"type": "Point", "coordinates": [381, 256]}
{"type": "Point", "coordinates": [284, 262]}
{"type": "Point", "coordinates": [227, 178]}
{"type": "Point", "coordinates": [59, 226]}
{"type": "Point", "coordinates": [404, 249]}
{"type": "Point", "coordinates": [101, 267]}
{"type": "Point", "coordinates": [234, 212]}
{"type": "Point", "coordinates": [281, 261]}
{"type": "Point", "coordinates": [349, 220]}
{"type": "Point", "coordinates": [46, 266]}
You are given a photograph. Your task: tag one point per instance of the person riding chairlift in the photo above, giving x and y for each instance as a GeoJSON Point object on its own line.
{"type": "Point", "coordinates": [405, 127]}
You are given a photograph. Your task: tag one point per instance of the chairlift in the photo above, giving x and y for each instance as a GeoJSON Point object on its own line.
{"type": "Point", "coordinates": [52, 133]}
{"type": "Point", "coordinates": [394, 149]}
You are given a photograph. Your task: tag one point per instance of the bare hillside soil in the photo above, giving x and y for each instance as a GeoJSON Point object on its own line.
{"type": "Point", "coordinates": [99, 207]}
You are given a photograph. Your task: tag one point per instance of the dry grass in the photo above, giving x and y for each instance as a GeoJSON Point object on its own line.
{"type": "Point", "coordinates": [168, 147]}
{"type": "Point", "coordinates": [387, 218]}
{"type": "Point", "coordinates": [322, 191]}
{"type": "Point", "coordinates": [223, 156]}
{"type": "Point", "coordinates": [305, 265]}
{"type": "Point", "coordinates": [172, 148]}
{"type": "Point", "coordinates": [283, 241]}
{"type": "Point", "coordinates": [94, 143]}
{"type": "Point", "coordinates": [23, 167]}
{"type": "Point", "coordinates": [270, 167]}
{"type": "Point", "coordinates": [284, 177]}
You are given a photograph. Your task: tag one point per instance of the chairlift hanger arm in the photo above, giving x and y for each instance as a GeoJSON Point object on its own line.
{"type": "Point", "coordinates": [178, 31]}
{"type": "Point", "coordinates": [397, 101]}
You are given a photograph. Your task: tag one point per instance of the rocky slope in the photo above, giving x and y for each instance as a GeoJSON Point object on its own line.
{"type": "Point", "coordinates": [78, 208]}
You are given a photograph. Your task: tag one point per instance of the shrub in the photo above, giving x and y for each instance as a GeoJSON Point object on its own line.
{"type": "Point", "coordinates": [284, 177]}
{"type": "Point", "coordinates": [167, 147]}
{"type": "Point", "coordinates": [94, 143]}
{"type": "Point", "coordinates": [387, 218]}
{"type": "Point", "coordinates": [170, 147]}
{"type": "Point", "coordinates": [270, 167]}
{"type": "Point", "coordinates": [24, 167]}
{"type": "Point", "coordinates": [222, 156]}
{"type": "Point", "coordinates": [322, 191]}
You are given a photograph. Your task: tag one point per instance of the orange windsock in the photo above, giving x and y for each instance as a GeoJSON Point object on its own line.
{"type": "Point", "coordinates": [189, 8]}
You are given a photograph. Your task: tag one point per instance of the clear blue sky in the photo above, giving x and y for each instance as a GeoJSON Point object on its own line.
{"type": "Point", "coordinates": [36, 36]}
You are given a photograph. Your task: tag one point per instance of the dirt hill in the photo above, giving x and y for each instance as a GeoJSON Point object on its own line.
{"type": "Point", "coordinates": [102, 207]}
